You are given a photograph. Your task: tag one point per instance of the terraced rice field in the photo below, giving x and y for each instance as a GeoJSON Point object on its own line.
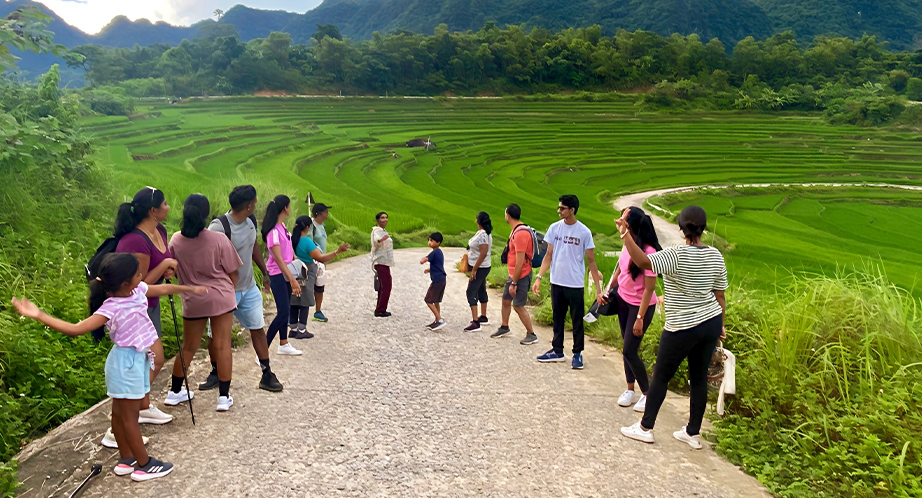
{"type": "Point", "coordinates": [493, 152]}
{"type": "Point", "coordinates": [820, 231]}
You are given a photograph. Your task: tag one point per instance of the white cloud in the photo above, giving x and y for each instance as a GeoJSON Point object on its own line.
{"type": "Point", "coordinates": [93, 15]}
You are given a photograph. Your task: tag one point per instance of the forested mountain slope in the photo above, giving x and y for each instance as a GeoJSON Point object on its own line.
{"type": "Point", "coordinates": [898, 22]}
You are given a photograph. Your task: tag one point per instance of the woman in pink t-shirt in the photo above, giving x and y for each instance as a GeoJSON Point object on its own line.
{"type": "Point", "coordinates": [282, 283]}
{"type": "Point", "coordinates": [208, 259]}
{"type": "Point", "coordinates": [636, 301]}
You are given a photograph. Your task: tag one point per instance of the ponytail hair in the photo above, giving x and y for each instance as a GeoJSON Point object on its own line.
{"type": "Point", "coordinates": [115, 269]}
{"type": "Point", "coordinates": [276, 206]}
{"type": "Point", "coordinates": [301, 225]}
{"type": "Point", "coordinates": [484, 220]}
{"type": "Point", "coordinates": [644, 234]}
{"type": "Point", "coordinates": [131, 213]}
{"type": "Point", "coordinates": [692, 221]}
{"type": "Point", "coordinates": [195, 214]}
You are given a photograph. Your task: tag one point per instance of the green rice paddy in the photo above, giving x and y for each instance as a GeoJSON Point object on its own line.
{"type": "Point", "coordinates": [495, 151]}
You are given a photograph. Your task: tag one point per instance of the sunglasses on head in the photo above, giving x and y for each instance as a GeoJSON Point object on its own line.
{"type": "Point", "coordinates": [152, 192]}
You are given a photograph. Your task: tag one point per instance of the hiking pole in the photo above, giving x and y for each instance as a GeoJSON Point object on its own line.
{"type": "Point", "coordinates": [93, 473]}
{"type": "Point", "coordinates": [182, 361]}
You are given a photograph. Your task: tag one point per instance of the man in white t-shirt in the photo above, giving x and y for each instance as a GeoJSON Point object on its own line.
{"type": "Point", "coordinates": [569, 249]}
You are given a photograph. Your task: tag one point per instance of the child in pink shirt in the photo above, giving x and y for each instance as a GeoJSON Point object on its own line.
{"type": "Point", "coordinates": [118, 301]}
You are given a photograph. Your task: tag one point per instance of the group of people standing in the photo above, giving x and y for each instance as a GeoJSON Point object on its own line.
{"type": "Point", "coordinates": [694, 277]}
{"type": "Point", "coordinates": [214, 260]}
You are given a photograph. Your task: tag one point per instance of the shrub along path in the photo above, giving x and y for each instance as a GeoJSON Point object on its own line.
{"type": "Point", "coordinates": [382, 407]}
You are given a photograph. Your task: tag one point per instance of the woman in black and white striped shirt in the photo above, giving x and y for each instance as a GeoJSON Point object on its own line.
{"type": "Point", "coordinates": [695, 278]}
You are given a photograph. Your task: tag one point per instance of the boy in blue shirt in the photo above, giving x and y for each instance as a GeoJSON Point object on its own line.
{"type": "Point", "coordinates": [436, 272]}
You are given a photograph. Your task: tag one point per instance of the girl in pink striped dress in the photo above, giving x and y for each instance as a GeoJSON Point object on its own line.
{"type": "Point", "coordinates": [118, 301]}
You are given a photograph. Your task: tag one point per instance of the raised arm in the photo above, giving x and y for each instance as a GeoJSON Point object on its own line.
{"type": "Point", "coordinates": [28, 309]}
{"type": "Point", "coordinates": [637, 255]}
{"type": "Point", "coordinates": [168, 289]}
{"type": "Point", "coordinates": [318, 255]}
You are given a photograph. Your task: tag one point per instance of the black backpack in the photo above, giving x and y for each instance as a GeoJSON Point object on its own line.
{"type": "Point", "coordinates": [226, 224]}
{"type": "Point", "coordinates": [92, 268]}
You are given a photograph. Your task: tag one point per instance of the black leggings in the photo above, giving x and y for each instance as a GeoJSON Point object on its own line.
{"type": "Point", "coordinates": [697, 344]}
{"type": "Point", "coordinates": [477, 288]}
{"type": "Point", "coordinates": [634, 368]}
{"type": "Point", "coordinates": [281, 291]}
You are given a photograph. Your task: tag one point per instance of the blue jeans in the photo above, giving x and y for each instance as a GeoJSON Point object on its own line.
{"type": "Point", "coordinates": [281, 291]}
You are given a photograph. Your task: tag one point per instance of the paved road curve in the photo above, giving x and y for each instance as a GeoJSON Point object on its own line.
{"type": "Point", "coordinates": [381, 407]}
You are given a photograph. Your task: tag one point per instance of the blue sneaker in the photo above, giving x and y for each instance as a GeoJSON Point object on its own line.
{"type": "Point", "coordinates": [578, 361]}
{"type": "Point", "coordinates": [551, 356]}
{"type": "Point", "coordinates": [318, 317]}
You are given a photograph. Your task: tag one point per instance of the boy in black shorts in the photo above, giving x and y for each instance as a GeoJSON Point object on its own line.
{"type": "Point", "coordinates": [436, 272]}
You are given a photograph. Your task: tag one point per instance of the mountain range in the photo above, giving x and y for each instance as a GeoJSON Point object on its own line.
{"type": "Point", "coordinates": [898, 22]}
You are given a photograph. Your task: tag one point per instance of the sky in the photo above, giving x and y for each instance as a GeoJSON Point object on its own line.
{"type": "Point", "coordinates": [91, 15]}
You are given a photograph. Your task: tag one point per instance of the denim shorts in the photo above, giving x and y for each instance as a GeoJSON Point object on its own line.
{"type": "Point", "coordinates": [249, 310]}
{"type": "Point", "coordinates": [127, 373]}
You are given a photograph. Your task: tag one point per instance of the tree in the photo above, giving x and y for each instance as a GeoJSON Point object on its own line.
{"type": "Point", "coordinates": [218, 13]}
{"type": "Point", "coordinates": [326, 31]}
{"type": "Point", "coordinates": [914, 89]}
{"type": "Point", "coordinates": [24, 29]}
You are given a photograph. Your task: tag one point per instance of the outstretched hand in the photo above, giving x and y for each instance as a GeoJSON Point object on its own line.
{"type": "Point", "coordinates": [199, 290]}
{"type": "Point", "coordinates": [26, 308]}
{"type": "Point", "coordinates": [344, 248]}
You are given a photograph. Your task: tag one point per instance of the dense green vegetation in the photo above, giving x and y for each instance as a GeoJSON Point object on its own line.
{"type": "Point", "coordinates": [51, 203]}
{"type": "Point", "coordinates": [855, 81]}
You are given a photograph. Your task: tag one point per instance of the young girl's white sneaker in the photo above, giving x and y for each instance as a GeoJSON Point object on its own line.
{"type": "Point", "coordinates": [627, 398]}
{"type": "Point", "coordinates": [637, 432]}
{"type": "Point", "coordinates": [109, 440]}
{"type": "Point", "coordinates": [288, 349]}
{"type": "Point", "coordinates": [641, 404]}
{"type": "Point", "coordinates": [693, 441]}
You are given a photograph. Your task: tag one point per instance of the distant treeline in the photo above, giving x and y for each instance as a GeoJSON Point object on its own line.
{"type": "Point", "coordinates": [778, 72]}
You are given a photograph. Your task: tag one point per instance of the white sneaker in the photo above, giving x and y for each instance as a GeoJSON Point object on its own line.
{"type": "Point", "coordinates": [153, 415]}
{"type": "Point", "coordinates": [224, 403]}
{"type": "Point", "coordinates": [109, 439]}
{"type": "Point", "coordinates": [173, 399]}
{"type": "Point", "coordinates": [693, 441]}
{"type": "Point", "coordinates": [641, 404]}
{"type": "Point", "coordinates": [637, 432]}
{"type": "Point", "coordinates": [288, 349]}
{"type": "Point", "coordinates": [627, 398]}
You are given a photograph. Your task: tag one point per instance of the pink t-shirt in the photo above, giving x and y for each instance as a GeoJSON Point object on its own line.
{"type": "Point", "coordinates": [629, 289]}
{"type": "Point", "coordinates": [129, 326]}
{"type": "Point", "coordinates": [207, 260]}
{"type": "Point", "coordinates": [279, 236]}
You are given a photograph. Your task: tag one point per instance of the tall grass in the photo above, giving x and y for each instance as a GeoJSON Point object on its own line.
{"type": "Point", "coordinates": [829, 399]}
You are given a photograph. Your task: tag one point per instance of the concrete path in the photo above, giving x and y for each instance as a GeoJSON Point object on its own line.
{"type": "Point", "coordinates": [382, 407]}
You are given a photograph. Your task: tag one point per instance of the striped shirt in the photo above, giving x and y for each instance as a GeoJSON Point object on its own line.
{"type": "Point", "coordinates": [129, 326]}
{"type": "Point", "coordinates": [691, 274]}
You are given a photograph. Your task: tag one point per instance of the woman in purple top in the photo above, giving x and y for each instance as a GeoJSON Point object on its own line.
{"type": "Point", "coordinates": [139, 228]}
